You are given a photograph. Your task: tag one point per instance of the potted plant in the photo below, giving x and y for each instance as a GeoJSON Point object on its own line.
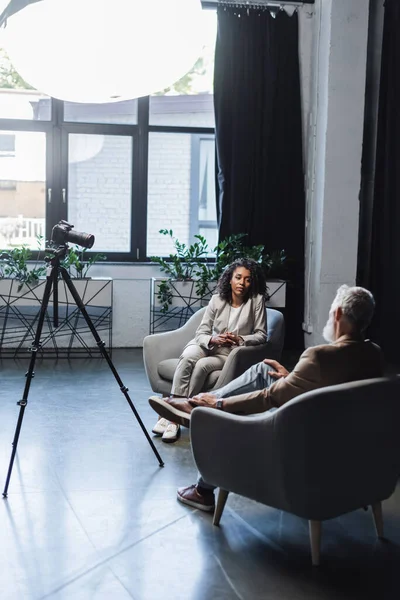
{"type": "Point", "coordinates": [14, 264]}
{"type": "Point", "coordinates": [189, 275]}
{"type": "Point", "coordinates": [193, 270]}
{"type": "Point", "coordinates": [22, 284]}
{"type": "Point", "coordinates": [77, 264]}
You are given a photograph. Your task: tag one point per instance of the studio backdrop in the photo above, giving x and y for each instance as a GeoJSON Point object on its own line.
{"type": "Point", "coordinates": [260, 183]}
{"type": "Point", "coordinates": [384, 272]}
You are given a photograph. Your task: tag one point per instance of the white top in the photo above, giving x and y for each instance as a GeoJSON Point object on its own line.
{"type": "Point", "coordinates": [233, 321]}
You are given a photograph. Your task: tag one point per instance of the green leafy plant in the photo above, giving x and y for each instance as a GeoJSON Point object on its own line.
{"type": "Point", "coordinates": [184, 262]}
{"type": "Point", "coordinates": [276, 264]}
{"type": "Point", "coordinates": [77, 264]}
{"type": "Point", "coordinates": [232, 248]}
{"type": "Point", "coordinates": [197, 262]}
{"type": "Point", "coordinates": [14, 263]}
{"type": "Point", "coordinates": [164, 296]}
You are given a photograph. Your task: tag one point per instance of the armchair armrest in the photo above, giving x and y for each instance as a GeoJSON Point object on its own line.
{"type": "Point", "coordinates": [239, 454]}
{"type": "Point", "coordinates": [241, 359]}
{"type": "Point", "coordinates": [169, 344]}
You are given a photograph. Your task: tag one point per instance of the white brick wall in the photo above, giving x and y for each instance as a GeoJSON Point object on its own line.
{"type": "Point", "coordinates": [168, 190]}
{"type": "Point", "coordinates": [99, 192]}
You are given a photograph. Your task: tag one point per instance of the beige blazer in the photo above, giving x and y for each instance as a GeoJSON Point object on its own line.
{"type": "Point", "coordinates": [329, 364]}
{"type": "Point", "coordinates": [252, 325]}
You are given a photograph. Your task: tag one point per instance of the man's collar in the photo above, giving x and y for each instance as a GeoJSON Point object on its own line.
{"type": "Point", "coordinates": [347, 337]}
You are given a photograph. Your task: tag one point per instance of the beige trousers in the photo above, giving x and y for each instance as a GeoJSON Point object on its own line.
{"type": "Point", "coordinates": [194, 366]}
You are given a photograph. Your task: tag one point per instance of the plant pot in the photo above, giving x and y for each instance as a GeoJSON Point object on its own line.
{"type": "Point", "coordinates": [184, 302]}
{"type": "Point", "coordinates": [19, 312]}
{"type": "Point", "coordinates": [276, 290]}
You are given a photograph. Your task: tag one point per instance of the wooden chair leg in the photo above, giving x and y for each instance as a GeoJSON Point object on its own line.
{"type": "Point", "coordinates": [219, 509]}
{"type": "Point", "coordinates": [378, 518]}
{"type": "Point", "coordinates": [315, 539]}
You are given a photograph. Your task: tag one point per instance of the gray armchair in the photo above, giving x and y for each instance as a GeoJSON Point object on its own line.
{"type": "Point", "coordinates": [325, 453]}
{"type": "Point", "coordinates": [161, 353]}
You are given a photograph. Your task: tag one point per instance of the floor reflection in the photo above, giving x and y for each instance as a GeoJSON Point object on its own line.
{"type": "Point", "coordinates": [91, 515]}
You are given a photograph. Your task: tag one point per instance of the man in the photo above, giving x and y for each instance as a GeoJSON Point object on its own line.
{"type": "Point", "coordinates": [346, 357]}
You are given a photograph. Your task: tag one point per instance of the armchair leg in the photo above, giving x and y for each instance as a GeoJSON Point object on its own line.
{"type": "Point", "coordinates": [315, 539]}
{"type": "Point", "coordinates": [219, 509]}
{"type": "Point", "coordinates": [378, 518]}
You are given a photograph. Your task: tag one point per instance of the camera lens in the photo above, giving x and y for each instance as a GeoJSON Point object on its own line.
{"type": "Point", "coordinates": [82, 239]}
{"type": "Point", "coordinates": [63, 233]}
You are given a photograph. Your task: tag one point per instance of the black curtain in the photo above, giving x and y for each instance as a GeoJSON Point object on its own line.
{"type": "Point", "coordinates": [260, 181]}
{"type": "Point", "coordinates": [385, 251]}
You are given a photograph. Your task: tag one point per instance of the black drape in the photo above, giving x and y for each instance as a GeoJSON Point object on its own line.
{"type": "Point", "coordinates": [259, 141]}
{"type": "Point", "coordinates": [385, 251]}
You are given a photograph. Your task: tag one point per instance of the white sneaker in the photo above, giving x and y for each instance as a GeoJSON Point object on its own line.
{"type": "Point", "coordinates": [160, 427]}
{"type": "Point", "coordinates": [172, 433]}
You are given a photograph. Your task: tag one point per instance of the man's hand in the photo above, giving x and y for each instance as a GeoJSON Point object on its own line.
{"type": "Point", "coordinates": [204, 400]}
{"type": "Point", "coordinates": [279, 371]}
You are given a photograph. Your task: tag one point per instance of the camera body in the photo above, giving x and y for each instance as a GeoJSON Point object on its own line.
{"type": "Point", "coordinates": [62, 234]}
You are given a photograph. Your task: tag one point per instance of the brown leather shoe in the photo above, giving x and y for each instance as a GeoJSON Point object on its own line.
{"type": "Point", "coordinates": [190, 496]}
{"type": "Point", "coordinates": [176, 410]}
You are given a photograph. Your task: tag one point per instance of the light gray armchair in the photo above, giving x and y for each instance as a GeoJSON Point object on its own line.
{"type": "Point", "coordinates": [161, 353]}
{"type": "Point", "coordinates": [321, 455]}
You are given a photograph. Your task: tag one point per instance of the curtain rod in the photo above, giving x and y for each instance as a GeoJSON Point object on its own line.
{"type": "Point", "coordinates": [255, 3]}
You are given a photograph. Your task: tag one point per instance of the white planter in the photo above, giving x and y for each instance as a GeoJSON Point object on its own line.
{"type": "Point", "coordinates": [19, 311]}
{"type": "Point", "coordinates": [276, 293]}
{"type": "Point", "coordinates": [184, 294]}
{"type": "Point", "coordinates": [185, 302]}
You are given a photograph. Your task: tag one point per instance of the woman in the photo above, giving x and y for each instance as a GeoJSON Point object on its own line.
{"type": "Point", "coordinates": [235, 316]}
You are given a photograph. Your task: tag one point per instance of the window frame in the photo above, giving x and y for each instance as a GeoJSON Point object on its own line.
{"type": "Point", "coordinates": [57, 131]}
{"type": "Point", "coordinates": [195, 223]}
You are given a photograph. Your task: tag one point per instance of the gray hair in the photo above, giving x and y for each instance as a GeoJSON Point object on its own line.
{"type": "Point", "coordinates": [357, 305]}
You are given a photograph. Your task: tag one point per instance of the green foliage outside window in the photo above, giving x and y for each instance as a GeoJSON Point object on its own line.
{"type": "Point", "coordinates": [9, 78]}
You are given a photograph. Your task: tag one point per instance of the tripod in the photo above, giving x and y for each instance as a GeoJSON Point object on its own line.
{"type": "Point", "coordinates": [54, 270]}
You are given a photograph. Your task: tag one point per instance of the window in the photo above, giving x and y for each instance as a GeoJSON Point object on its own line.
{"type": "Point", "coordinates": [8, 184]}
{"type": "Point", "coordinates": [118, 112]}
{"type": "Point", "coordinates": [121, 171]}
{"type": "Point", "coordinates": [99, 188]}
{"type": "Point", "coordinates": [181, 190]}
{"type": "Point", "coordinates": [204, 219]}
{"type": "Point", "coordinates": [22, 188]}
{"type": "Point", "coordinates": [7, 145]}
{"type": "Point", "coordinates": [169, 190]}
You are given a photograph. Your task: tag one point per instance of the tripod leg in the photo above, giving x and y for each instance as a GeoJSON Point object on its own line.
{"type": "Point", "coordinates": [101, 345]}
{"type": "Point", "coordinates": [29, 375]}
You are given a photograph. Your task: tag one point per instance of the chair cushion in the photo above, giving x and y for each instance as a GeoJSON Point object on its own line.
{"type": "Point", "coordinates": [166, 369]}
{"type": "Point", "coordinates": [211, 380]}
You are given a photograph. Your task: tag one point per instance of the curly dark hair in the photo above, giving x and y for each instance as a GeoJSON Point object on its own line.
{"type": "Point", "coordinates": [258, 284]}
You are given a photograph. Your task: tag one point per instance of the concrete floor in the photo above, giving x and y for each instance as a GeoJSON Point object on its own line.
{"type": "Point", "coordinates": [90, 515]}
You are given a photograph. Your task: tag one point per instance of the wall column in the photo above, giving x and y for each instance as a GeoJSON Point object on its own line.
{"type": "Point", "coordinates": [334, 156]}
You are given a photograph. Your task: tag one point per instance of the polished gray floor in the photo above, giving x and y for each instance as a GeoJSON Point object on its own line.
{"type": "Point", "coordinates": [91, 515]}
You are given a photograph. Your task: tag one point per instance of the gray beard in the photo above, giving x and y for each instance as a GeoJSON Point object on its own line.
{"type": "Point", "coordinates": [328, 332]}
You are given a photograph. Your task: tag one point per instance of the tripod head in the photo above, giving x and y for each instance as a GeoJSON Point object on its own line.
{"type": "Point", "coordinates": [59, 252]}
